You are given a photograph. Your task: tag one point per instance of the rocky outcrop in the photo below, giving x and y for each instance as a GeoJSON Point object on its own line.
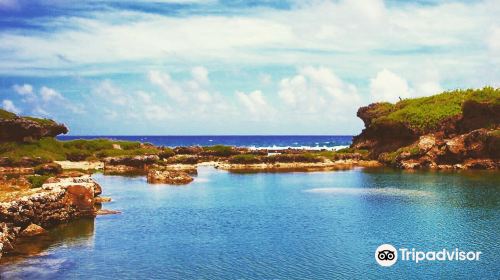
{"type": "Point", "coordinates": [464, 140]}
{"type": "Point", "coordinates": [59, 201]}
{"type": "Point", "coordinates": [33, 230]}
{"type": "Point", "coordinates": [478, 149]}
{"type": "Point", "coordinates": [27, 129]}
{"type": "Point", "coordinates": [171, 177]}
{"type": "Point", "coordinates": [129, 165]}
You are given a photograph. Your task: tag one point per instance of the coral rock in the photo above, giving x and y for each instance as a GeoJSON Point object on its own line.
{"type": "Point", "coordinates": [33, 230]}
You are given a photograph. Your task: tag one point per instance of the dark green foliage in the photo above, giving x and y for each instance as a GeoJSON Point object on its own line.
{"type": "Point", "coordinates": [220, 151]}
{"type": "Point", "coordinates": [37, 181]}
{"type": "Point", "coordinates": [48, 169]}
{"type": "Point", "coordinates": [292, 158]}
{"type": "Point", "coordinates": [245, 159]}
{"type": "Point", "coordinates": [166, 153]}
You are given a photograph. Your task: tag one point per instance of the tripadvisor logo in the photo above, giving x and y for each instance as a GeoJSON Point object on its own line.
{"type": "Point", "coordinates": [387, 255]}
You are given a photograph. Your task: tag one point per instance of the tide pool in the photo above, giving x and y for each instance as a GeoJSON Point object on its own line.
{"type": "Point", "coordinates": [320, 225]}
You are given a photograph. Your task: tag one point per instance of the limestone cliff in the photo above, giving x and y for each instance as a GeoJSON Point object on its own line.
{"type": "Point", "coordinates": [22, 129]}
{"type": "Point", "coordinates": [457, 129]}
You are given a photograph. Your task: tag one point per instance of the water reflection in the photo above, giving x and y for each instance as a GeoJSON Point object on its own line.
{"type": "Point", "coordinates": [76, 233]}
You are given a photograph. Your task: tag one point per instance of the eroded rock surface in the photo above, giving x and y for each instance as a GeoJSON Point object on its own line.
{"type": "Point", "coordinates": [172, 177]}
{"type": "Point", "coordinates": [59, 201]}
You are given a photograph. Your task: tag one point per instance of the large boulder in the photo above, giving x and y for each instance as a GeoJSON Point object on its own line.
{"type": "Point", "coordinates": [172, 177]}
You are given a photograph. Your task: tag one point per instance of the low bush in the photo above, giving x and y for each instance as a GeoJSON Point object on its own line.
{"type": "Point", "coordinates": [37, 181]}
{"type": "Point", "coordinates": [245, 159]}
{"type": "Point", "coordinates": [292, 158]}
{"type": "Point", "coordinates": [220, 151]}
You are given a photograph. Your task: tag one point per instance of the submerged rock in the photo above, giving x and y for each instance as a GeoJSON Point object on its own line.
{"type": "Point", "coordinates": [107, 212]}
{"type": "Point", "coordinates": [102, 199]}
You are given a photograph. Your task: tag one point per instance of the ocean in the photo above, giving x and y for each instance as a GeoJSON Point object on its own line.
{"type": "Point", "coordinates": [252, 141]}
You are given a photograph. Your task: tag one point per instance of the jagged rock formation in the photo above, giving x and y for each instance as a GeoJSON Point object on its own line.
{"type": "Point", "coordinates": [23, 129]}
{"type": "Point", "coordinates": [59, 201]}
{"type": "Point", "coordinates": [172, 177]}
{"type": "Point", "coordinates": [452, 130]}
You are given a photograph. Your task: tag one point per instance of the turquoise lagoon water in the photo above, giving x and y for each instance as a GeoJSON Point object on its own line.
{"type": "Point", "coordinates": [323, 225]}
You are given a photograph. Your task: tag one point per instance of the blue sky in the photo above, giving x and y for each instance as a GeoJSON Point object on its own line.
{"type": "Point", "coordinates": [171, 67]}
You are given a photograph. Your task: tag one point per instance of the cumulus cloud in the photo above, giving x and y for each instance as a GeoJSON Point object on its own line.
{"type": "Point", "coordinates": [128, 105]}
{"type": "Point", "coordinates": [194, 92]}
{"type": "Point", "coordinates": [255, 104]}
{"type": "Point", "coordinates": [49, 94]}
{"type": "Point", "coordinates": [23, 90]}
{"type": "Point", "coordinates": [387, 86]}
{"type": "Point", "coordinates": [48, 102]}
{"type": "Point", "coordinates": [9, 106]}
{"type": "Point", "coordinates": [318, 90]}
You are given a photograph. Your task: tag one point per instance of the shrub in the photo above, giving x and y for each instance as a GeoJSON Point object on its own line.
{"type": "Point", "coordinates": [245, 159]}
{"type": "Point", "coordinates": [292, 158]}
{"type": "Point", "coordinates": [78, 155]}
{"type": "Point", "coordinates": [220, 151]}
{"type": "Point", "coordinates": [48, 168]}
{"type": "Point", "coordinates": [37, 181]}
{"type": "Point", "coordinates": [166, 153]}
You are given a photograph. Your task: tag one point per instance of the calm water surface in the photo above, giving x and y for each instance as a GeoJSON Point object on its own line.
{"type": "Point", "coordinates": [323, 225]}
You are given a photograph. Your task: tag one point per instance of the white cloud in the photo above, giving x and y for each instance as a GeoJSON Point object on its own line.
{"type": "Point", "coordinates": [265, 79]}
{"type": "Point", "coordinates": [111, 93]}
{"type": "Point", "coordinates": [255, 104]}
{"type": "Point", "coordinates": [318, 91]}
{"type": "Point", "coordinates": [356, 38]}
{"type": "Point", "coordinates": [23, 90]}
{"type": "Point", "coordinates": [49, 94]}
{"type": "Point", "coordinates": [194, 92]}
{"type": "Point", "coordinates": [9, 106]}
{"type": "Point", "coordinates": [387, 86]}
{"type": "Point", "coordinates": [200, 75]}
{"type": "Point", "coordinates": [128, 105]}
{"type": "Point", "coordinates": [48, 102]}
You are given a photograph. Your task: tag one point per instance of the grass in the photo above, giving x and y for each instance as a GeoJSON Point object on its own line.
{"type": "Point", "coordinates": [426, 113]}
{"type": "Point", "coordinates": [245, 159]}
{"type": "Point", "coordinates": [37, 181]}
{"type": "Point", "coordinates": [51, 149]}
{"type": "Point", "coordinates": [44, 122]}
{"type": "Point", "coordinates": [6, 115]}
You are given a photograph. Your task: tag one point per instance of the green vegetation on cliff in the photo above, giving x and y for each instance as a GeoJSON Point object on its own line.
{"type": "Point", "coordinates": [427, 113]}
{"type": "Point", "coordinates": [6, 115]}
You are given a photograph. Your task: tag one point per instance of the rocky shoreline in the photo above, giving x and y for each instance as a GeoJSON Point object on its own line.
{"type": "Point", "coordinates": [60, 200]}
